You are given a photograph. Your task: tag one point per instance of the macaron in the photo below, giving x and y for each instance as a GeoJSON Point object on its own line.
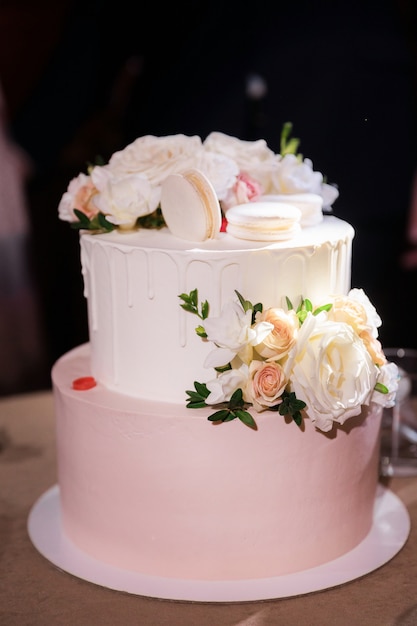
{"type": "Point", "coordinates": [190, 206]}
{"type": "Point", "coordinates": [263, 221]}
{"type": "Point", "coordinates": [310, 205]}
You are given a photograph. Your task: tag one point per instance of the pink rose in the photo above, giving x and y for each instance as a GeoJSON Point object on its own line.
{"type": "Point", "coordinates": [79, 195]}
{"type": "Point", "coordinates": [245, 189]}
{"type": "Point", "coordinates": [266, 384]}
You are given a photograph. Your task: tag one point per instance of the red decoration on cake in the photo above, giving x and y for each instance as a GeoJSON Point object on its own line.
{"type": "Point", "coordinates": [83, 383]}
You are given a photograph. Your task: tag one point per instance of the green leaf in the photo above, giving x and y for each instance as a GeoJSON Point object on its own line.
{"type": "Point", "coordinates": [187, 307]}
{"type": "Point", "coordinates": [219, 416]}
{"type": "Point", "coordinates": [190, 304]}
{"type": "Point", "coordinates": [201, 388]}
{"type": "Point", "coordinates": [297, 418]}
{"type": "Point", "coordinates": [194, 297]}
{"type": "Point", "coordinates": [223, 368]}
{"type": "Point", "coordinates": [106, 225]}
{"type": "Point", "coordinates": [289, 303]}
{"type": "Point", "coordinates": [231, 415]}
{"type": "Point", "coordinates": [382, 388]}
{"type": "Point", "coordinates": [82, 218]}
{"type": "Point", "coordinates": [324, 307]}
{"type": "Point", "coordinates": [246, 418]}
{"type": "Point", "coordinates": [291, 406]}
{"type": "Point", "coordinates": [204, 310]}
{"type": "Point", "coordinates": [201, 332]}
{"type": "Point", "coordinates": [302, 316]}
{"type": "Point", "coordinates": [196, 399]}
{"type": "Point", "coordinates": [153, 220]}
{"type": "Point", "coordinates": [236, 401]}
{"type": "Point", "coordinates": [196, 405]}
{"type": "Point", "coordinates": [287, 145]}
{"type": "Point", "coordinates": [246, 305]}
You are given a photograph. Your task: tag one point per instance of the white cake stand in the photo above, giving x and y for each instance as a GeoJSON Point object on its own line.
{"type": "Point", "coordinates": [389, 532]}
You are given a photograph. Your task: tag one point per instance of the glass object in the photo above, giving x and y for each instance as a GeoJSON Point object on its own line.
{"type": "Point", "coordinates": [399, 423]}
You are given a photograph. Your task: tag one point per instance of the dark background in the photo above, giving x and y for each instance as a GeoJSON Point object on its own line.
{"type": "Point", "coordinates": [83, 79]}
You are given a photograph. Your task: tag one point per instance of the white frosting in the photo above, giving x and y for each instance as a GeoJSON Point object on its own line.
{"type": "Point", "coordinates": [144, 344]}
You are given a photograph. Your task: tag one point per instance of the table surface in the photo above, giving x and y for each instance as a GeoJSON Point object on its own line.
{"type": "Point", "coordinates": [35, 592]}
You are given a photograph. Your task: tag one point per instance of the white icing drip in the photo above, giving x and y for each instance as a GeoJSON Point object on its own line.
{"type": "Point", "coordinates": [129, 281]}
{"type": "Point", "coordinates": [139, 333]}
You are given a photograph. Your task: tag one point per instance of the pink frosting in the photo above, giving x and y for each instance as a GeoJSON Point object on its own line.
{"type": "Point", "coordinates": [156, 488]}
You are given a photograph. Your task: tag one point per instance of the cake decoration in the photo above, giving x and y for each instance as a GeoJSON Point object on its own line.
{"type": "Point", "coordinates": [263, 221]}
{"type": "Point", "coordinates": [84, 383]}
{"type": "Point", "coordinates": [190, 206]}
{"type": "Point", "coordinates": [325, 359]}
{"type": "Point", "coordinates": [310, 205]}
{"type": "Point", "coordinates": [125, 193]}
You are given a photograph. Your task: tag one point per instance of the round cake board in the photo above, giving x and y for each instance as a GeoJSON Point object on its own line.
{"type": "Point", "coordinates": [389, 532]}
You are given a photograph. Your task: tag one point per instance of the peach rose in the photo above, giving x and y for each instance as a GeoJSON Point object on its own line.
{"type": "Point", "coordinates": [350, 312]}
{"type": "Point", "coordinates": [374, 348]}
{"type": "Point", "coordinates": [283, 335]}
{"type": "Point", "coordinates": [266, 384]}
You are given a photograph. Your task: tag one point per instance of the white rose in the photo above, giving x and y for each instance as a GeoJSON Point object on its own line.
{"type": "Point", "coordinates": [252, 157]}
{"type": "Point", "coordinates": [222, 388]}
{"type": "Point", "coordinates": [233, 335]}
{"type": "Point", "coordinates": [125, 197]}
{"type": "Point", "coordinates": [291, 175]}
{"type": "Point", "coordinates": [330, 370]}
{"type": "Point", "coordinates": [329, 193]}
{"type": "Point", "coordinates": [373, 319]}
{"type": "Point", "coordinates": [221, 170]}
{"type": "Point", "coordinates": [157, 157]}
{"type": "Point", "coordinates": [388, 376]}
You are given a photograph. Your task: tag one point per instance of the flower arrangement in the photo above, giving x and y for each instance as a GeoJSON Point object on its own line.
{"type": "Point", "coordinates": [324, 359]}
{"type": "Point", "coordinates": [125, 193]}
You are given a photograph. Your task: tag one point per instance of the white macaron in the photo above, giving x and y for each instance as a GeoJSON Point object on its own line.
{"type": "Point", "coordinates": [263, 221]}
{"type": "Point", "coordinates": [190, 206]}
{"type": "Point", "coordinates": [310, 205]}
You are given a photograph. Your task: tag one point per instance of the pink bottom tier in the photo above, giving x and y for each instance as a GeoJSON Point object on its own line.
{"type": "Point", "coordinates": [156, 488]}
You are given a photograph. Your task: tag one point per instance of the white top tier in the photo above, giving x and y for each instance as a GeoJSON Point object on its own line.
{"type": "Point", "coordinates": [144, 344]}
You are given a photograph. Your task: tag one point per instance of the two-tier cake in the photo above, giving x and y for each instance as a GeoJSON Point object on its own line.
{"type": "Point", "coordinates": [223, 421]}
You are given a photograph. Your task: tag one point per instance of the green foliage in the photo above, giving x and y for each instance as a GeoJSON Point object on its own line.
{"type": "Point", "coordinates": [248, 306]}
{"type": "Point", "coordinates": [288, 145]}
{"type": "Point", "coordinates": [98, 223]}
{"type": "Point", "coordinates": [190, 303]}
{"type": "Point", "coordinates": [291, 406]}
{"type": "Point", "coordinates": [197, 398]}
{"type": "Point", "coordinates": [381, 388]}
{"type": "Point", "coordinates": [306, 307]}
{"type": "Point", "coordinates": [234, 409]}
{"type": "Point", "coordinates": [154, 220]}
